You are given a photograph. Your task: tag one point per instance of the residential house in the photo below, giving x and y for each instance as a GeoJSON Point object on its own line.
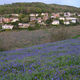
{"type": "Point", "coordinates": [55, 15]}
{"type": "Point", "coordinates": [55, 22]}
{"type": "Point", "coordinates": [71, 19]}
{"type": "Point", "coordinates": [14, 20]}
{"type": "Point", "coordinates": [67, 14]}
{"type": "Point", "coordinates": [73, 14]}
{"type": "Point", "coordinates": [6, 20]}
{"type": "Point", "coordinates": [23, 25]}
{"type": "Point", "coordinates": [62, 18]}
{"type": "Point", "coordinates": [15, 15]}
{"type": "Point", "coordinates": [32, 17]}
{"type": "Point", "coordinates": [78, 15]}
{"type": "Point", "coordinates": [37, 15]}
{"type": "Point", "coordinates": [7, 26]}
{"type": "Point", "coordinates": [39, 20]}
{"type": "Point", "coordinates": [45, 16]}
{"type": "Point", "coordinates": [66, 22]}
{"type": "Point", "coordinates": [42, 23]}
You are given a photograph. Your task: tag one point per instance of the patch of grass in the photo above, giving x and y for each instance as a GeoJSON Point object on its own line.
{"type": "Point", "coordinates": [60, 47]}
{"type": "Point", "coordinates": [76, 37]}
{"type": "Point", "coordinates": [74, 44]}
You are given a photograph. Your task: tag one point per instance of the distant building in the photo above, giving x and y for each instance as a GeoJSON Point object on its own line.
{"type": "Point", "coordinates": [32, 15]}
{"type": "Point", "coordinates": [39, 20]}
{"type": "Point", "coordinates": [16, 15]}
{"type": "Point", "coordinates": [37, 15]}
{"type": "Point", "coordinates": [6, 20]}
{"type": "Point", "coordinates": [15, 19]}
{"type": "Point", "coordinates": [66, 22]}
{"type": "Point", "coordinates": [23, 25]}
{"type": "Point", "coordinates": [44, 14]}
{"type": "Point", "coordinates": [67, 14]}
{"type": "Point", "coordinates": [55, 22]}
{"type": "Point", "coordinates": [55, 15]}
{"type": "Point", "coordinates": [45, 18]}
{"type": "Point", "coordinates": [33, 18]}
{"type": "Point", "coordinates": [78, 15]}
{"type": "Point", "coordinates": [42, 23]}
{"type": "Point", "coordinates": [7, 26]}
{"type": "Point", "coordinates": [62, 18]}
{"type": "Point", "coordinates": [71, 18]}
{"type": "Point", "coordinates": [73, 21]}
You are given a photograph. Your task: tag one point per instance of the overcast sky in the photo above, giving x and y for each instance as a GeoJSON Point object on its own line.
{"type": "Point", "coordinates": [62, 2]}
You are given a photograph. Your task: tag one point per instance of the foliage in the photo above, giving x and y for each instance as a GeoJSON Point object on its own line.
{"type": "Point", "coordinates": [49, 21]}
{"type": "Point", "coordinates": [24, 18]}
{"type": "Point", "coordinates": [15, 25]}
{"type": "Point", "coordinates": [35, 27]}
{"type": "Point", "coordinates": [35, 7]}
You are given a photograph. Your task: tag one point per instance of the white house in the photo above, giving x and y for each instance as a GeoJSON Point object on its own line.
{"type": "Point", "coordinates": [78, 15]}
{"type": "Point", "coordinates": [62, 18]}
{"type": "Point", "coordinates": [52, 17]}
{"type": "Point", "coordinates": [73, 21]}
{"type": "Point", "coordinates": [39, 20]}
{"type": "Point", "coordinates": [7, 26]}
{"type": "Point", "coordinates": [43, 14]}
{"type": "Point", "coordinates": [32, 15]}
{"type": "Point", "coordinates": [67, 14]}
{"type": "Point", "coordinates": [66, 22]}
{"type": "Point", "coordinates": [71, 18]}
{"type": "Point", "coordinates": [55, 22]}
{"type": "Point", "coordinates": [42, 23]}
{"type": "Point", "coordinates": [37, 15]}
{"type": "Point", "coordinates": [15, 15]}
{"type": "Point", "coordinates": [15, 19]}
{"type": "Point", "coordinates": [24, 25]}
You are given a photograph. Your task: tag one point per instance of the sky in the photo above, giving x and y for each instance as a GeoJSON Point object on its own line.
{"type": "Point", "coordinates": [75, 3]}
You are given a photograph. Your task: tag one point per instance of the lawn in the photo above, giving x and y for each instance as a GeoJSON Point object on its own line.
{"type": "Point", "coordinates": [78, 36]}
{"type": "Point", "coordinates": [51, 61]}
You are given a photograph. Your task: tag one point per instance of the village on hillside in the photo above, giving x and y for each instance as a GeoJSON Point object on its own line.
{"type": "Point", "coordinates": [43, 19]}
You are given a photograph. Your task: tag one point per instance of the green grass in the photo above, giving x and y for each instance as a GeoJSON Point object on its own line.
{"type": "Point", "coordinates": [76, 37]}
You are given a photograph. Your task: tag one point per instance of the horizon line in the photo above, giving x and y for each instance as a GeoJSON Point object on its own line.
{"type": "Point", "coordinates": [39, 2]}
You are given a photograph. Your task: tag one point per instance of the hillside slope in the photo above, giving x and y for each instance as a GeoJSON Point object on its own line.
{"type": "Point", "coordinates": [35, 7]}
{"type": "Point", "coordinates": [51, 61]}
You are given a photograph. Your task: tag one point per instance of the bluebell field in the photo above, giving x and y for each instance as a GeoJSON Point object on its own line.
{"type": "Point", "coordinates": [52, 61]}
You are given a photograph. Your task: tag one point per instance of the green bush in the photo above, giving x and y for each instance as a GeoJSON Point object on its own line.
{"type": "Point", "coordinates": [36, 27]}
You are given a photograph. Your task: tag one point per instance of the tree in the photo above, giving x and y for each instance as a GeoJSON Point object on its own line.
{"type": "Point", "coordinates": [24, 18]}
{"type": "Point", "coordinates": [15, 25]}
{"type": "Point", "coordinates": [49, 21]}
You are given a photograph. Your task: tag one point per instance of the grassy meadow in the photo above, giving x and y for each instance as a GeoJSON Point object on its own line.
{"type": "Point", "coordinates": [50, 54]}
{"type": "Point", "coordinates": [51, 61]}
{"type": "Point", "coordinates": [15, 39]}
